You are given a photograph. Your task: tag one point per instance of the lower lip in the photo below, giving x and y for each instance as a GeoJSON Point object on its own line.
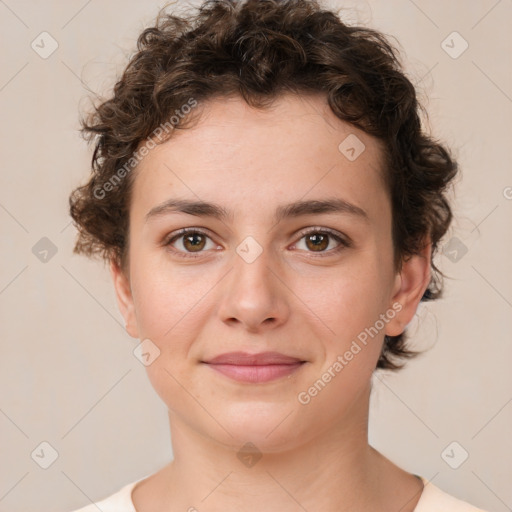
{"type": "Point", "coordinates": [263, 373]}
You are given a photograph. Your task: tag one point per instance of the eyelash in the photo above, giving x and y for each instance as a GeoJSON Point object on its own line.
{"type": "Point", "coordinates": [343, 242]}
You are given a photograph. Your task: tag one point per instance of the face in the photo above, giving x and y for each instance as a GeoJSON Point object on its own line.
{"type": "Point", "coordinates": [313, 281]}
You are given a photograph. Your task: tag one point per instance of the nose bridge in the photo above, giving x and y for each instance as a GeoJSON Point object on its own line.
{"type": "Point", "coordinates": [252, 274]}
{"type": "Point", "coordinates": [253, 293]}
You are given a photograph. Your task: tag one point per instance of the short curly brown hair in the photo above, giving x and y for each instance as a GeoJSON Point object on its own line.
{"type": "Point", "coordinates": [260, 49]}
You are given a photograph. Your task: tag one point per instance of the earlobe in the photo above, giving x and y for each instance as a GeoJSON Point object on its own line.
{"type": "Point", "coordinates": [124, 298]}
{"type": "Point", "coordinates": [410, 285]}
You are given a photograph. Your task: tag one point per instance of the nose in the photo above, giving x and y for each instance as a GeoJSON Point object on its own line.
{"type": "Point", "coordinates": [254, 296]}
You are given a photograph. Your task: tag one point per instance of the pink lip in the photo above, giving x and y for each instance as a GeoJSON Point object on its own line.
{"type": "Point", "coordinates": [263, 367]}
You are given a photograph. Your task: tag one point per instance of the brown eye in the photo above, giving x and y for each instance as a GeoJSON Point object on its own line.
{"type": "Point", "coordinates": [317, 242]}
{"type": "Point", "coordinates": [194, 242]}
{"type": "Point", "coordinates": [189, 243]}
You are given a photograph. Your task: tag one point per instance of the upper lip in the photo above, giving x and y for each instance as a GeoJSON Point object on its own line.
{"type": "Point", "coordinates": [246, 359]}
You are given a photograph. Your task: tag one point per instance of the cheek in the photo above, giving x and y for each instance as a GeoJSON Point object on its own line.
{"type": "Point", "coordinates": [350, 299]}
{"type": "Point", "coordinates": [168, 314]}
{"type": "Point", "coordinates": [167, 300]}
{"type": "Point", "coordinates": [354, 308]}
{"type": "Point", "coordinates": [350, 307]}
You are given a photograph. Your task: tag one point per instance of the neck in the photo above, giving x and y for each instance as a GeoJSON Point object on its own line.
{"type": "Point", "coordinates": [218, 480]}
{"type": "Point", "coordinates": [335, 469]}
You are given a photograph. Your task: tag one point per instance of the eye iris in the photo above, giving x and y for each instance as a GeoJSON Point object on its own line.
{"type": "Point", "coordinates": [320, 241]}
{"type": "Point", "coordinates": [196, 246]}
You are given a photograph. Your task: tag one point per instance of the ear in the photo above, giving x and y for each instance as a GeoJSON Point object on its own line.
{"type": "Point", "coordinates": [124, 298]}
{"type": "Point", "coordinates": [410, 285]}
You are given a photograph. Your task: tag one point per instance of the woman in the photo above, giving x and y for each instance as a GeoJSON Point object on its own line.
{"type": "Point", "coordinates": [270, 208]}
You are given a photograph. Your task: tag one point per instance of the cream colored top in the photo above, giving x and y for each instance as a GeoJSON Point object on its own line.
{"type": "Point", "coordinates": [432, 499]}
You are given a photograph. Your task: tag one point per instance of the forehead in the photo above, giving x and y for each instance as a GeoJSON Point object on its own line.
{"type": "Point", "coordinates": [238, 154]}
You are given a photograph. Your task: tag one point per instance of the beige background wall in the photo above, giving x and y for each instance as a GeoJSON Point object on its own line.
{"type": "Point", "coordinates": [67, 373]}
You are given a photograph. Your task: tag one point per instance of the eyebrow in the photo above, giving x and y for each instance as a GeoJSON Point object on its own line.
{"type": "Point", "coordinates": [296, 209]}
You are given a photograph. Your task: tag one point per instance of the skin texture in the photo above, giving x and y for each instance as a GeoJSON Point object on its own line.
{"type": "Point", "coordinates": [290, 299]}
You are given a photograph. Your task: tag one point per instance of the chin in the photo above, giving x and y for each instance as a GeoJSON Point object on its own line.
{"type": "Point", "coordinates": [270, 427]}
